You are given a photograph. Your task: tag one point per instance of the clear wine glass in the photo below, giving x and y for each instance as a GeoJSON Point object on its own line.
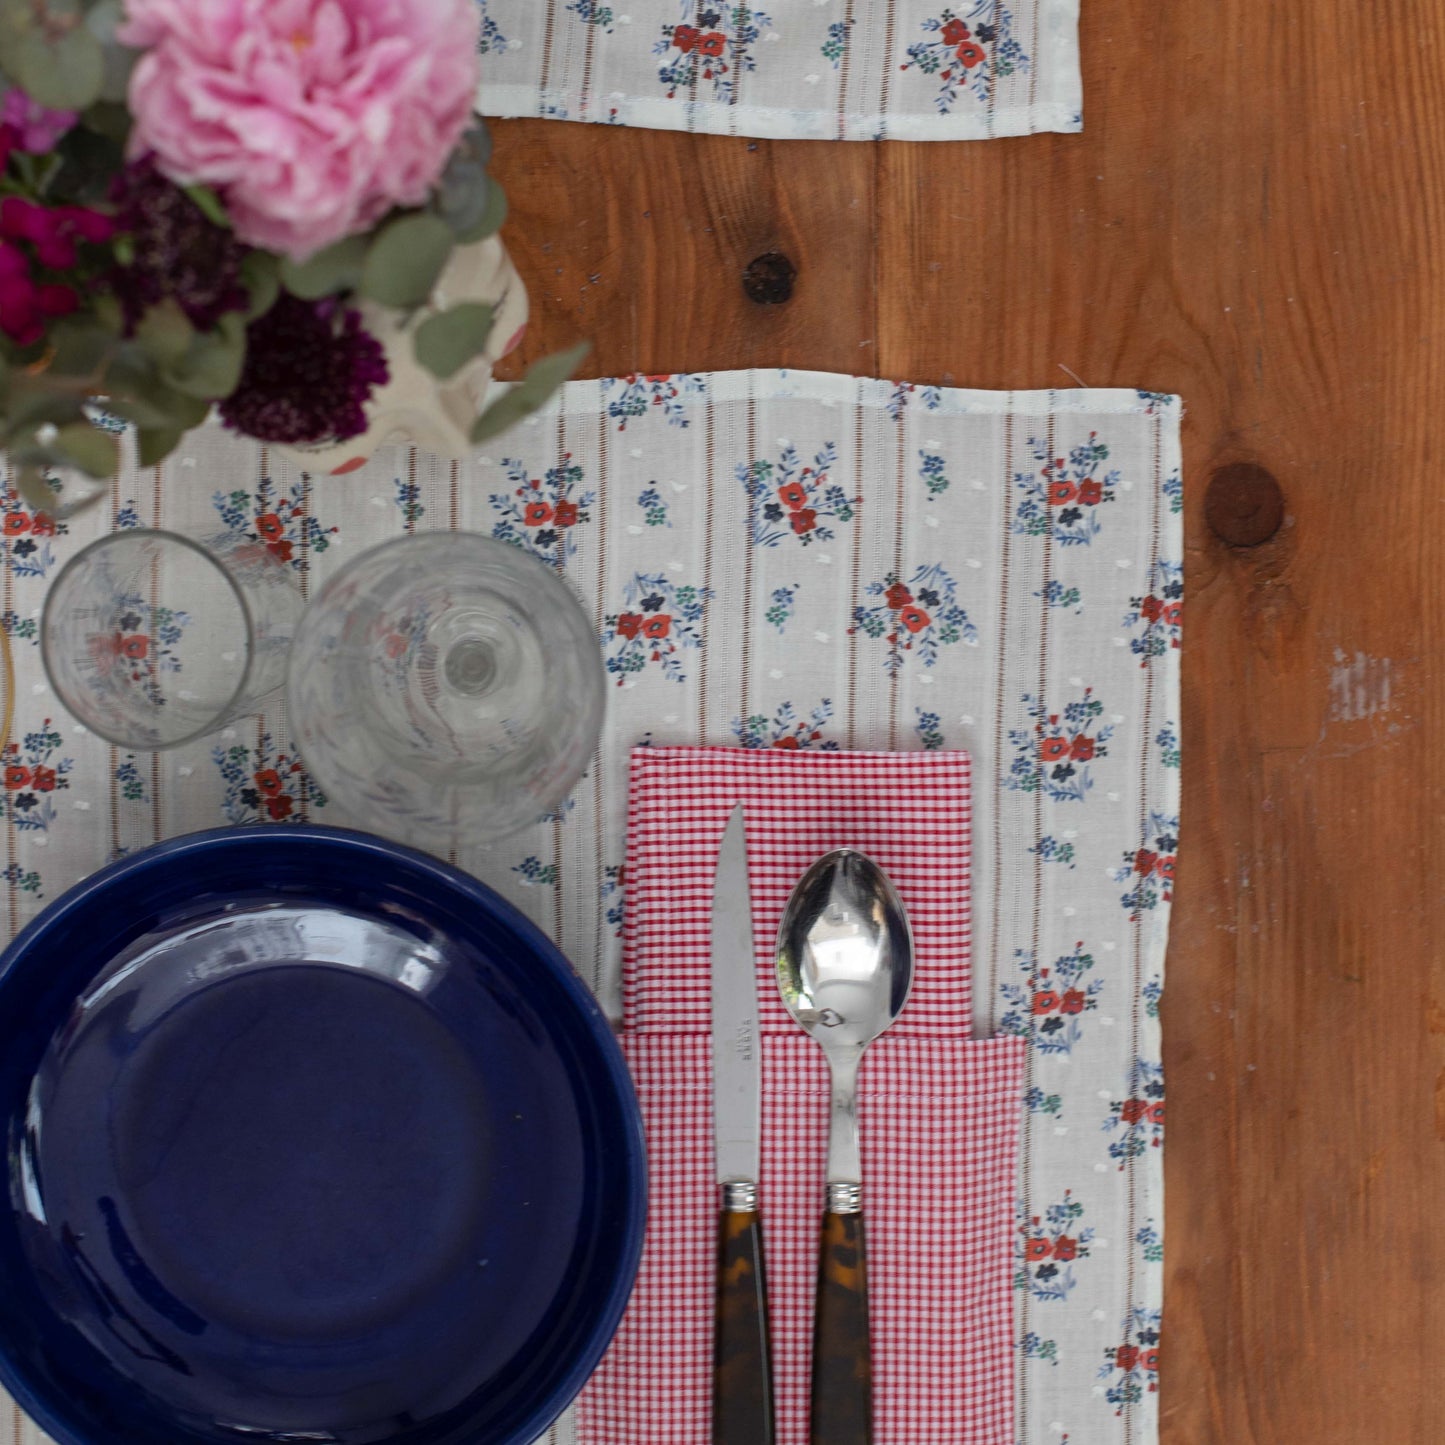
{"type": "Point", "coordinates": [152, 640]}
{"type": "Point", "coordinates": [446, 688]}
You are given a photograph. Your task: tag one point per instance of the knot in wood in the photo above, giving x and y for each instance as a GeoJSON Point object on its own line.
{"type": "Point", "coordinates": [769, 278]}
{"type": "Point", "coordinates": [1244, 505]}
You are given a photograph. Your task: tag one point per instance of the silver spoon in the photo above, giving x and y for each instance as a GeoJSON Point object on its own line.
{"type": "Point", "coordinates": [845, 964]}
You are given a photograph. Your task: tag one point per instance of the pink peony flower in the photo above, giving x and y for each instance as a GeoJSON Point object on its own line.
{"type": "Point", "coordinates": [312, 117]}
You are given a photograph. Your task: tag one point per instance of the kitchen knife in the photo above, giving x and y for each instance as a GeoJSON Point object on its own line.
{"type": "Point", "coordinates": [742, 1363]}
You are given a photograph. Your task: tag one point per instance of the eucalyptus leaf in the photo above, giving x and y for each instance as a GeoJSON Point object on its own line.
{"type": "Point", "coordinates": [134, 390]}
{"type": "Point", "coordinates": [529, 394]}
{"type": "Point", "coordinates": [34, 490]}
{"type": "Point", "coordinates": [103, 21]}
{"type": "Point", "coordinates": [95, 452]}
{"type": "Point", "coordinates": [30, 403]}
{"type": "Point", "coordinates": [154, 444]}
{"type": "Point", "coordinates": [212, 366]}
{"type": "Point", "coordinates": [491, 219]}
{"type": "Point", "coordinates": [405, 260]}
{"type": "Point", "coordinates": [447, 341]}
{"type": "Point", "coordinates": [108, 313]}
{"type": "Point", "coordinates": [463, 192]}
{"type": "Point", "coordinates": [261, 276]}
{"type": "Point", "coordinates": [165, 332]}
{"type": "Point", "coordinates": [82, 344]}
{"type": "Point", "coordinates": [87, 162]}
{"type": "Point", "coordinates": [337, 268]}
{"type": "Point", "coordinates": [65, 73]}
{"type": "Point", "coordinates": [111, 118]}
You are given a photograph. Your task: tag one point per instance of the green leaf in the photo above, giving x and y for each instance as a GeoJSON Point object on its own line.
{"type": "Point", "coordinates": [103, 21]}
{"type": "Point", "coordinates": [529, 394]}
{"type": "Point", "coordinates": [447, 341]}
{"type": "Point", "coordinates": [337, 268]}
{"type": "Point", "coordinates": [82, 343]}
{"type": "Point", "coordinates": [464, 191]}
{"type": "Point", "coordinates": [30, 403]}
{"type": "Point", "coordinates": [155, 444]}
{"type": "Point", "coordinates": [108, 313]}
{"type": "Point", "coordinates": [165, 332]}
{"type": "Point", "coordinates": [87, 165]}
{"type": "Point", "coordinates": [212, 366]}
{"type": "Point", "coordinates": [405, 260]}
{"type": "Point", "coordinates": [110, 118]}
{"type": "Point", "coordinates": [135, 391]}
{"type": "Point", "coordinates": [95, 452]}
{"type": "Point", "coordinates": [210, 206]}
{"type": "Point", "coordinates": [261, 276]}
{"type": "Point", "coordinates": [64, 74]}
{"type": "Point", "coordinates": [491, 219]}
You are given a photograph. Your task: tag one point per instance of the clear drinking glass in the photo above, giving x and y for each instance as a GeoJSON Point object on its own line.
{"type": "Point", "coordinates": [152, 640]}
{"type": "Point", "coordinates": [446, 689]}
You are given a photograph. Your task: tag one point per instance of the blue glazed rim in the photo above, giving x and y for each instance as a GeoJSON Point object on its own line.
{"type": "Point", "coordinates": [438, 874]}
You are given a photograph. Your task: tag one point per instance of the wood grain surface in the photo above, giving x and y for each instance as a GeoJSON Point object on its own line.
{"type": "Point", "coordinates": [1252, 218]}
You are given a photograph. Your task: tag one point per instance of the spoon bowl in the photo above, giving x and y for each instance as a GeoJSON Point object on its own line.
{"type": "Point", "coordinates": [845, 966]}
{"type": "Point", "coordinates": [845, 952]}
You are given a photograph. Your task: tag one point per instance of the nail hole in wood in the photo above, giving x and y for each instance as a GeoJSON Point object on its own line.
{"type": "Point", "coordinates": [1244, 505]}
{"type": "Point", "coordinates": [769, 279]}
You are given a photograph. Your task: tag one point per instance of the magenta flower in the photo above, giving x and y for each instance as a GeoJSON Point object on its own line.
{"type": "Point", "coordinates": [26, 305]}
{"type": "Point", "coordinates": [313, 118]}
{"type": "Point", "coordinates": [310, 369]}
{"type": "Point", "coordinates": [33, 127]}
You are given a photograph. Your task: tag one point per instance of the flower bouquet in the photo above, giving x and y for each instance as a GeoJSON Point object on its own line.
{"type": "Point", "coordinates": [224, 203]}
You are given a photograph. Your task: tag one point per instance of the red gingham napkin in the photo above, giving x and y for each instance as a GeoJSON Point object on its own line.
{"type": "Point", "coordinates": [939, 1111]}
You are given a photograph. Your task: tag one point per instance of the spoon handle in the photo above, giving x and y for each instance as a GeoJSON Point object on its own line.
{"type": "Point", "coordinates": [842, 1405]}
{"type": "Point", "coordinates": [742, 1399]}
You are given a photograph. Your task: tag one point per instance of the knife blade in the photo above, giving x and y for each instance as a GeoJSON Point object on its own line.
{"type": "Point", "coordinates": [742, 1363]}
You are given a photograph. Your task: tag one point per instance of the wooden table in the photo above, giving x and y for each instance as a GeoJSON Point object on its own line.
{"type": "Point", "coordinates": [1249, 220]}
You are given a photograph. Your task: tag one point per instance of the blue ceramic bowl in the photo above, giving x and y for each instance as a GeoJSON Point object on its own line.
{"type": "Point", "coordinates": [311, 1139]}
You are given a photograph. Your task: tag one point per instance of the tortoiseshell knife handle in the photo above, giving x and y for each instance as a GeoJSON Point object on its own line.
{"type": "Point", "coordinates": [742, 1399]}
{"type": "Point", "coordinates": [842, 1406]}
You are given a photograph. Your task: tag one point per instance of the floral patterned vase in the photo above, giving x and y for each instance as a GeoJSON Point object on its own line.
{"type": "Point", "coordinates": [414, 407]}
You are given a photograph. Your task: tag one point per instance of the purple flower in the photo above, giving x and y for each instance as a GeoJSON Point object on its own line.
{"type": "Point", "coordinates": [177, 252]}
{"type": "Point", "coordinates": [310, 369]}
{"type": "Point", "coordinates": [33, 127]}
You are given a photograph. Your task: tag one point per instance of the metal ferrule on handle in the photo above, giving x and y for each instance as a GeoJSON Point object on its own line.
{"type": "Point", "coordinates": [740, 1196]}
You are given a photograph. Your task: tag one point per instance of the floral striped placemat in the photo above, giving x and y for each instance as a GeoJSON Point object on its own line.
{"type": "Point", "coordinates": [783, 560]}
{"type": "Point", "coordinates": [814, 69]}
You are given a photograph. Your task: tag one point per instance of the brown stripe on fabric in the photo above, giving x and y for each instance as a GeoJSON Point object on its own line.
{"type": "Point", "coordinates": [889, 29]}
{"type": "Point", "coordinates": [13, 891]}
{"type": "Point", "coordinates": [157, 500]}
{"type": "Point", "coordinates": [844, 67]}
{"type": "Point", "coordinates": [857, 580]}
{"type": "Point", "coordinates": [549, 34]}
{"type": "Point", "coordinates": [304, 569]}
{"type": "Point", "coordinates": [561, 566]}
{"type": "Point", "coordinates": [114, 751]}
{"type": "Point", "coordinates": [599, 823]}
{"type": "Point", "coordinates": [1136, 982]}
{"type": "Point", "coordinates": [1001, 679]}
{"type": "Point", "coordinates": [991, 108]}
{"type": "Point", "coordinates": [709, 481]}
{"type": "Point", "coordinates": [1033, 98]}
{"type": "Point", "coordinates": [751, 522]}
{"type": "Point", "coordinates": [453, 499]}
{"type": "Point", "coordinates": [411, 491]}
{"type": "Point", "coordinates": [895, 678]}
{"type": "Point", "coordinates": [589, 47]}
{"type": "Point", "coordinates": [1026, 1163]}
